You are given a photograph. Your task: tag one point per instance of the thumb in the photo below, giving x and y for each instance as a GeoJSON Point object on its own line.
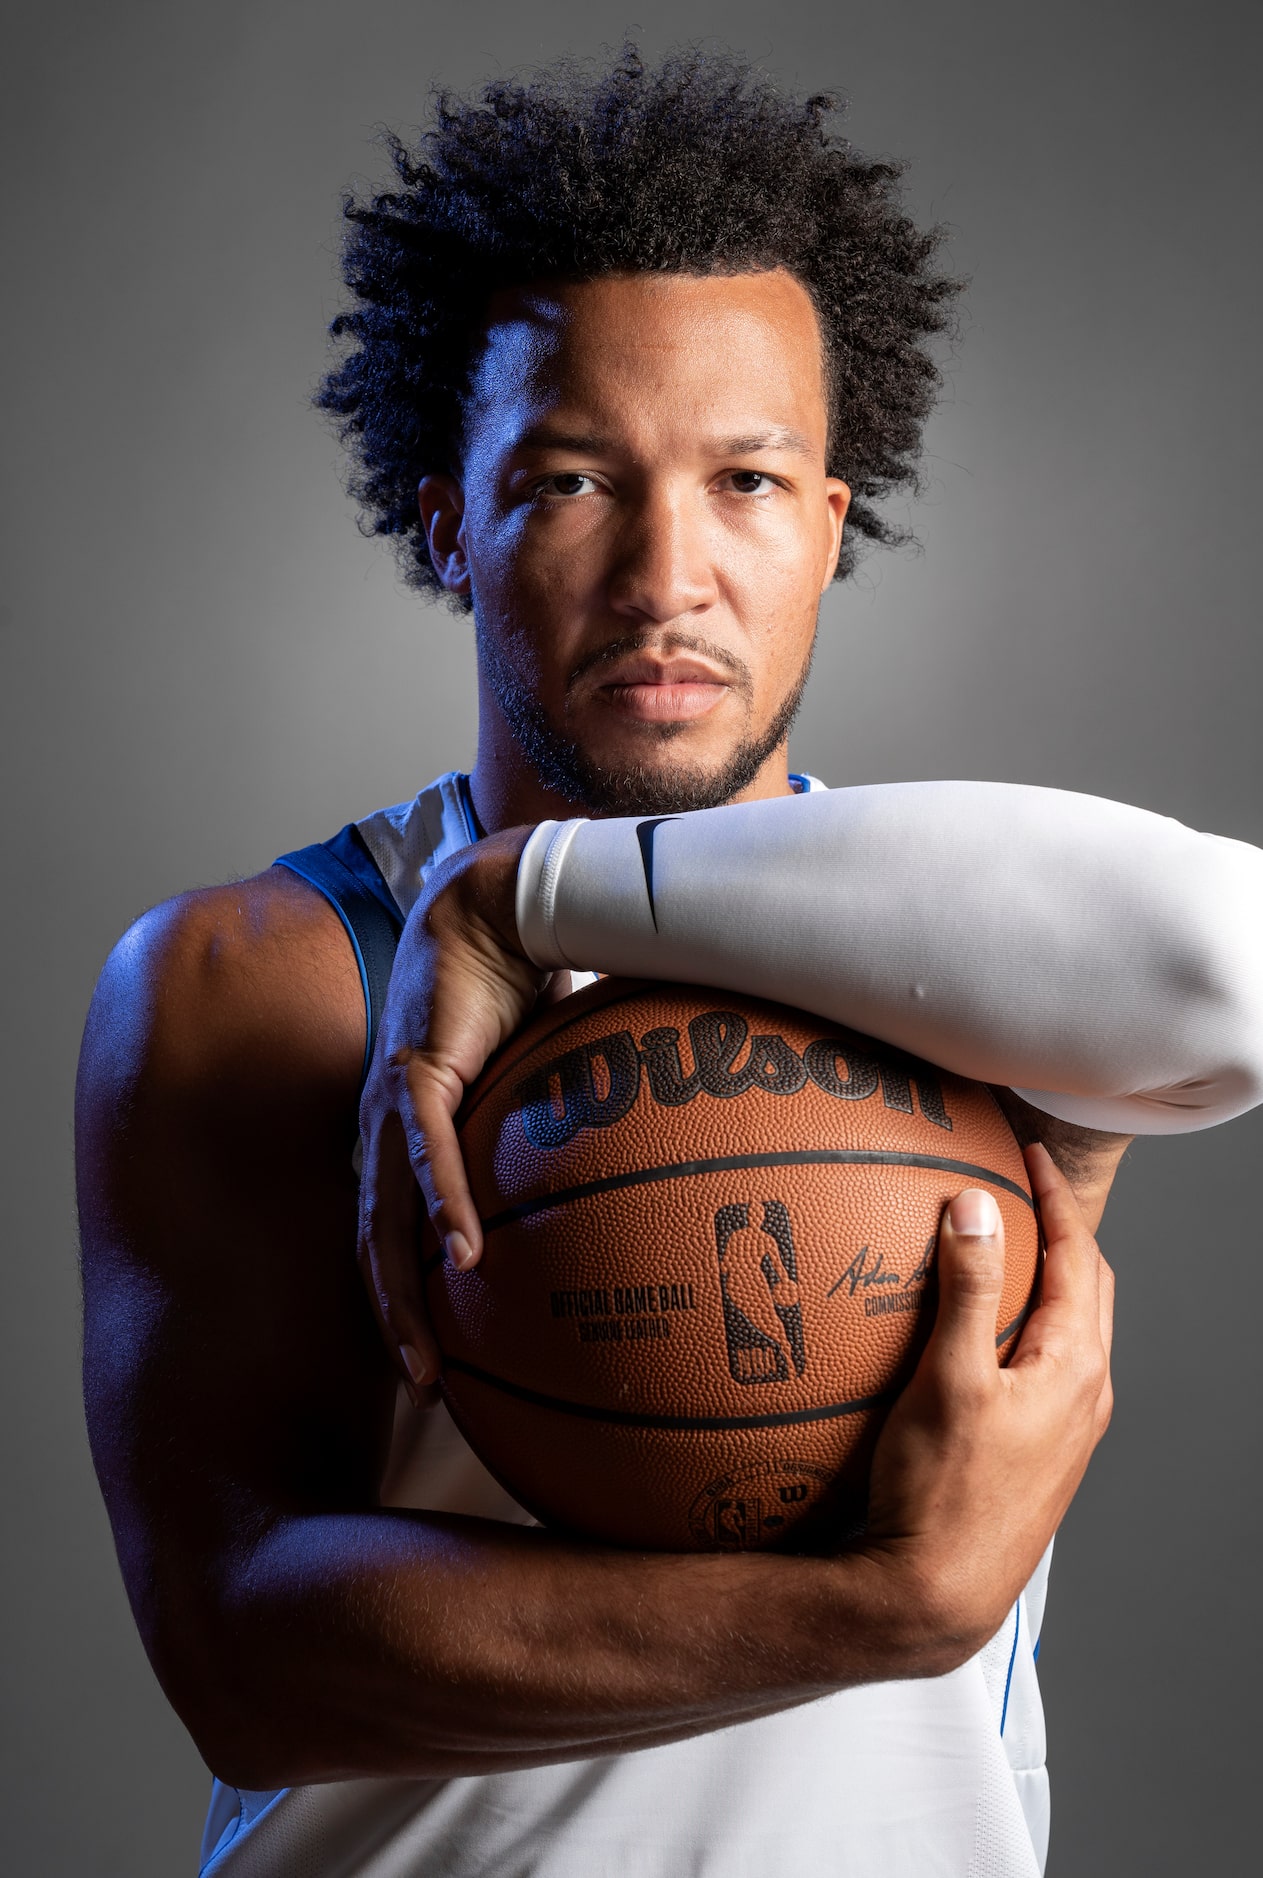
{"type": "Point", "coordinates": [970, 1279]}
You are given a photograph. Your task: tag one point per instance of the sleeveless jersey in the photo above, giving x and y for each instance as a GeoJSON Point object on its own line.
{"type": "Point", "coordinates": [937, 1778]}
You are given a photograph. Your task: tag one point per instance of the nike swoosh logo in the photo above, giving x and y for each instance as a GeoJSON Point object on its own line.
{"type": "Point", "coordinates": [644, 834]}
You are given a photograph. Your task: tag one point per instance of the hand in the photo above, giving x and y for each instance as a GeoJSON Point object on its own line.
{"type": "Point", "coordinates": [460, 987]}
{"type": "Point", "coordinates": [976, 1465]}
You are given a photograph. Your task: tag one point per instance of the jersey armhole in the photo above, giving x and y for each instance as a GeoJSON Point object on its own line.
{"type": "Point", "coordinates": [349, 878]}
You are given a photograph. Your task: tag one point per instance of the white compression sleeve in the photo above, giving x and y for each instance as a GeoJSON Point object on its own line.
{"type": "Point", "coordinates": [1105, 962]}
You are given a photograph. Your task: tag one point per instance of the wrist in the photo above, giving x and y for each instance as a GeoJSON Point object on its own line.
{"type": "Point", "coordinates": [905, 1618]}
{"type": "Point", "coordinates": [535, 892]}
{"type": "Point", "coordinates": [478, 887]}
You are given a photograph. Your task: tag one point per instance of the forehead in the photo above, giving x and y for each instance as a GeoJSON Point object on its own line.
{"type": "Point", "coordinates": [652, 350]}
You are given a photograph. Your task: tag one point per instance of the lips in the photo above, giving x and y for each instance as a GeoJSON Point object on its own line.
{"type": "Point", "coordinates": [661, 691]}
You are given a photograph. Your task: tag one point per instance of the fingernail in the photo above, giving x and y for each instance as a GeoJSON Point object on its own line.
{"type": "Point", "coordinates": [459, 1250]}
{"type": "Point", "coordinates": [974, 1214]}
{"type": "Point", "coordinates": [414, 1363]}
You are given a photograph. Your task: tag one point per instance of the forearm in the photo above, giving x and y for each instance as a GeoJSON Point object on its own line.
{"type": "Point", "coordinates": [429, 1645]}
{"type": "Point", "coordinates": [1101, 960]}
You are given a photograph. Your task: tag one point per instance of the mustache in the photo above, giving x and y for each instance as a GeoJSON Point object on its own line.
{"type": "Point", "coordinates": [669, 647]}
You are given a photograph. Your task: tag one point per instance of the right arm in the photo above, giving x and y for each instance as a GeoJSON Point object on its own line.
{"type": "Point", "coordinates": [240, 1408]}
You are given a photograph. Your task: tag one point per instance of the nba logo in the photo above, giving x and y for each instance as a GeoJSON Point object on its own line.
{"type": "Point", "coordinates": [745, 1522]}
{"type": "Point", "coordinates": [733, 1524]}
{"type": "Point", "coordinates": [758, 1507]}
{"type": "Point", "coordinates": [758, 1281]}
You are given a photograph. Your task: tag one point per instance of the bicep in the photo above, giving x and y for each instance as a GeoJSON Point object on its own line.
{"type": "Point", "coordinates": [232, 1371]}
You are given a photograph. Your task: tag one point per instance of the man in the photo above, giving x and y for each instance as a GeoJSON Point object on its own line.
{"type": "Point", "coordinates": [643, 345]}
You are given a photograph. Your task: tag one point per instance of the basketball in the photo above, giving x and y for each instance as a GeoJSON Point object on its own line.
{"type": "Point", "coordinates": [710, 1225]}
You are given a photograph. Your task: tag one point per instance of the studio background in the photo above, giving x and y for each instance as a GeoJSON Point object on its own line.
{"type": "Point", "coordinates": [205, 665]}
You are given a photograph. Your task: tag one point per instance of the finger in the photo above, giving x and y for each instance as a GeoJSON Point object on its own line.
{"type": "Point", "coordinates": [437, 1164]}
{"type": "Point", "coordinates": [970, 1266]}
{"type": "Point", "coordinates": [1068, 1328]}
{"type": "Point", "coordinates": [388, 1253]}
{"type": "Point", "coordinates": [1071, 1281]}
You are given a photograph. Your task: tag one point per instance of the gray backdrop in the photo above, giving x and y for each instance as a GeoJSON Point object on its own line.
{"type": "Point", "coordinates": [206, 665]}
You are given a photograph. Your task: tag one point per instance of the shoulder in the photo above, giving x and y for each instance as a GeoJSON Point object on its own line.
{"type": "Point", "coordinates": [227, 984]}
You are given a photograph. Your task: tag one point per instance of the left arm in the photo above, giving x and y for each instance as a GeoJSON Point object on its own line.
{"type": "Point", "coordinates": [1103, 961]}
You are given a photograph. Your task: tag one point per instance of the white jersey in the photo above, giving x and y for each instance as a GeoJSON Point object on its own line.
{"type": "Point", "coordinates": [937, 1778]}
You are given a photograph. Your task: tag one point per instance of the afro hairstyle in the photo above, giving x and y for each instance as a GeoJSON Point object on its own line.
{"type": "Point", "coordinates": [698, 166]}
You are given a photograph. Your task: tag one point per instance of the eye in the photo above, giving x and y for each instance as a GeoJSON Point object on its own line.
{"type": "Point", "coordinates": [748, 482]}
{"type": "Point", "coordinates": [565, 485]}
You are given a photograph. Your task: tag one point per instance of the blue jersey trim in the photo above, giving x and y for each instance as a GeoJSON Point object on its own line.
{"type": "Point", "coordinates": [473, 827]}
{"type": "Point", "coordinates": [1008, 1681]}
{"type": "Point", "coordinates": [350, 848]}
{"type": "Point", "coordinates": [346, 874]}
{"type": "Point", "coordinates": [238, 1829]}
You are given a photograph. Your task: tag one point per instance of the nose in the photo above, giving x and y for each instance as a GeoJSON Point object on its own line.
{"type": "Point", "coordinates": [663, 568]}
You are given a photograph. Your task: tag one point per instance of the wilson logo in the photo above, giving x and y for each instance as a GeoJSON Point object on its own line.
{"type": "Point", "coordinates": [595, 1085]}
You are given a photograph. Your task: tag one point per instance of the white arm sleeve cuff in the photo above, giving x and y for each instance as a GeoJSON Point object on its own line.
{"type": "Point", "coordinates": [536, 898]}
{"type": "Point", "coordinates": [1102, 960]}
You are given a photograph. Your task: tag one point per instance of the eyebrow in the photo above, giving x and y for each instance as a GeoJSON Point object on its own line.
{"type": "Point", "coordinates": [778, 438]}
{"type": "Point", "coordinates": [580, 443]}
{"type": "Point", "coordinates": [589, 443]}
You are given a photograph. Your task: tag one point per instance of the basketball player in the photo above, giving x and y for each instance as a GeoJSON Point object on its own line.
{"type": "Point", "coordinates": [644, 345]}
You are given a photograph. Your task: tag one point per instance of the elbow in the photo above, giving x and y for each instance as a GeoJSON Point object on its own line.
{"type": "Point", "coordinates": [241, 1743]}
{"type": "Point", "coordinates": [1221, 1075]}
{"type": "Point", "coordinates": [210, 1681]}
{"type": "Point", "coordinates": [241, 1759]}
{"type": "Point", "coordinates": [225, 1675]}
{"type": "Point", "coordinates": [1223, 1042]}
{"type": "Point", "coordinates": [1205, 994]}
{"type": "Point", "coordinates": [242, 1763]}
{"type": "Point", "coordinates": [1222, 984]}
{"type": "Point", "coordinates": [266, 1710]}
{"type": "Point", "coordinates": [1243, 1029]}
{"type": "Point", "coordinates": [253, 1716]}
{"type": "Point", "coordinates": [249, 1736]}
{"type": "Point", "coordinates": [1233, 1088]}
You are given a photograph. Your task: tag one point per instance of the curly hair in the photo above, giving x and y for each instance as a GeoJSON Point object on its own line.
{"type": "Point", "coordinates": [700, 166]}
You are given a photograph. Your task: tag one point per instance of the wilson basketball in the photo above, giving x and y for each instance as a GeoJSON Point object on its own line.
{"type": "Point", "coordinates": [710, 1226]}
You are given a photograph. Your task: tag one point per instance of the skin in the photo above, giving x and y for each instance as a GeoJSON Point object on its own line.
{"type": "Point", "coordinates": [240, 1397]}
{"type": "Point", "coordinates": [655, 587]}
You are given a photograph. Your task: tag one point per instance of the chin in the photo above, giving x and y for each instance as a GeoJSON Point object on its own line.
{"type": "Point", "coordinates": [655, 782]}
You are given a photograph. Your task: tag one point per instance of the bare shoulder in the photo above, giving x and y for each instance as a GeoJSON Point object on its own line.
{"type": "Point", "coordinates": [218, 981]}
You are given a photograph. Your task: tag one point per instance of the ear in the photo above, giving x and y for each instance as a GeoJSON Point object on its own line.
{"type": "Point", "coordinates": [442, 503]}
{"type": "Point", "coordinates": [838, 497]}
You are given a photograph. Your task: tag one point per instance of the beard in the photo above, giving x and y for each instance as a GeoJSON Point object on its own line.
{"type": "Point", "coordinates": [640, 788]}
